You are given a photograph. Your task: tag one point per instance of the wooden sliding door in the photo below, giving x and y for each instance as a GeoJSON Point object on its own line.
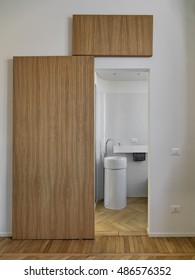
{"type": "Point", "coordinates": [53, 148]}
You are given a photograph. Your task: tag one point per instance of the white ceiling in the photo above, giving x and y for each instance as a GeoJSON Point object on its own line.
{"type": "Point", "coordinates": [123, 74]}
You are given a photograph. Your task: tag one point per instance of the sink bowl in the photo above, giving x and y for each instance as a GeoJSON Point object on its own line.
{"type": "Point", "coordinates": [114, 162]}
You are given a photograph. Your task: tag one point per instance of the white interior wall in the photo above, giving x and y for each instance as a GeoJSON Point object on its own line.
{"type": "Point", "coordinates": [43, 27]}
{"type": "Point", "coordinates": [126, 115]}
{"type": "Point", "coordinates": [99, 140]}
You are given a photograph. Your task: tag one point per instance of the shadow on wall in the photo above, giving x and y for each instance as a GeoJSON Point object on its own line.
{"type": "Point", "coordinates": [69, 41]}
{"type": "Point", "coordinates": [9, 125]}
{"type": "Point", "coordinates": [190, 131]}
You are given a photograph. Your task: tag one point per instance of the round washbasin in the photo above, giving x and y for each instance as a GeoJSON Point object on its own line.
{"type": "Point", "coordinates": [114, 162]}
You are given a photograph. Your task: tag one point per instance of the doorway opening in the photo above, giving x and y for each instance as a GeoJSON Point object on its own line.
{"type": "Point", "coordinates": [122, 115]}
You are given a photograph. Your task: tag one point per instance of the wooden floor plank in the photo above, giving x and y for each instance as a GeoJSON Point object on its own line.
{"type": "Point", "coordinates": [101, 245]}
{"type": "Point", "coordinates": [188, 243]}
{"type": "Point", "coordinates": [146, 246]}
{"type": "Point", "coordinates": [136, 256]}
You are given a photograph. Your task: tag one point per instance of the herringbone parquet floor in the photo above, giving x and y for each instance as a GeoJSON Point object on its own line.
{"type": "Point", "coordinates": [131, 220]}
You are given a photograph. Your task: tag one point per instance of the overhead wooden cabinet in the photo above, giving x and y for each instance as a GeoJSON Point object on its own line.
{"type": "Point", "coordinates": [112, 35]}
{"type": "Point", "coordinates": [53, 148]}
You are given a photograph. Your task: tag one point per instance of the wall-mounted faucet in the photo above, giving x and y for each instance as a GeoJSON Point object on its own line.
{"type": "Point", "coordinates": [110, 139]}
{"type": "Point", "coordinates": [106, 150]}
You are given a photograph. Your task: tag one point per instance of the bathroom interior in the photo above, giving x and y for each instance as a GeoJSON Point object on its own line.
{"type": "Point", "coordinates": [121, 130]}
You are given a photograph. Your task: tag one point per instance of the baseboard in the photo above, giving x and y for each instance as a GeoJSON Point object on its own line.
{"type": "Point", "coordinates": [171, 234]}
{"type": "Point", "coordinates": [5, 234]}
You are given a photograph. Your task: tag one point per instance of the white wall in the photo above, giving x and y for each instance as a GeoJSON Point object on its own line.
{"type": "Point", "coordinates": [99, 143]}
{"type": "Point", "coordinates": [125, 116]}
{"type": "Point", "coordinates": [126, 113]}
{"type": "Point", "coordinates": [43, 27]}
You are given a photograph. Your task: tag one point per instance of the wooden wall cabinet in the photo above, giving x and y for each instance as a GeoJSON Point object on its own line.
{"type": "Point", "coordinates": [112, 35]}
{"type": "Point", "coordinates": [53, 148]}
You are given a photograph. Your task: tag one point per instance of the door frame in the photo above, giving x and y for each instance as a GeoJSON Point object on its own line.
{"type": "Point", "coordinates": [109, 63]}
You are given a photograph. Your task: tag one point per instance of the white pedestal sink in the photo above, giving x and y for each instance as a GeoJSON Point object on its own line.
{"type": "Point", "coordinates": [115, 162]}
{"type": "Point", "coordinates": [115, 183]}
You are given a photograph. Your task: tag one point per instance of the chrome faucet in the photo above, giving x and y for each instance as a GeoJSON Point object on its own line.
{"type": "Point", "coordinates": [106, 150]}
{"type": "Point", "coordinates": [110, 139]}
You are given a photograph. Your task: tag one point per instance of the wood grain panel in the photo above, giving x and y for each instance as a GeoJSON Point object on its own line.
{"type": "Point", "coordinates": [104, 247]}
{"type": "Point", "coordinates": [53, 148]}
{"type": "Point", "coordinates": [112, 35]}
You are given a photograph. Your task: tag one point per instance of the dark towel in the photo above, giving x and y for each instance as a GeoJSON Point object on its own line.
{"type": "Point", "coordinates": [139, 156]}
